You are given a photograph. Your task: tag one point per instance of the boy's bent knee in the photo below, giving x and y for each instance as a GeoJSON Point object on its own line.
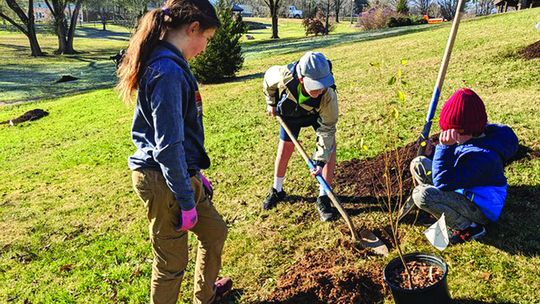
{"type": "Point", "coordinates": [423, 195]}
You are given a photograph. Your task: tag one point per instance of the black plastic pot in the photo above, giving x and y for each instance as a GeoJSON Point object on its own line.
{"type": "Point", "coordinates": [437, 293]}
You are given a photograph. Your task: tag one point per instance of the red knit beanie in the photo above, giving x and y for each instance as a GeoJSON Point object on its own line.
{"type": "Point", "coordinates": [464, 111]}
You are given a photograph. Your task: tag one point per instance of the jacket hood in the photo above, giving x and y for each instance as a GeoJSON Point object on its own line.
{"type": "Point", "coordinates": [165, 50]}
{"type": "Point", "coordinates": [499, 139]}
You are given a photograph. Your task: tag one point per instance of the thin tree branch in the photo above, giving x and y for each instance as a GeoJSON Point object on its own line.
{"type": "Point", "coordinates": [74, 18]}
{"type": "Point", "coordinates": [53, 12]}
{"type": "Point", "coordinates": [18, 10]}
{"type": "Point", "coordinates": [8, 19]}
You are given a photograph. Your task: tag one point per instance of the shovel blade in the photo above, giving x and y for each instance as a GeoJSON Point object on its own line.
{"type": "Point", "coordinates": [372, 242]}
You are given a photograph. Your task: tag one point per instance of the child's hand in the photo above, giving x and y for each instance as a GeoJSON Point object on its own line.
{"type": "Point", "coordinates": [452, 137]}
{"type": "Point", "coordinates": [271, 110]}
{"type": "Point", "coordinates": [448, 137]}
{"type": "Point", "coordinates": [188, 219]}
{"type": "Point", "coordinates": [316, 171]}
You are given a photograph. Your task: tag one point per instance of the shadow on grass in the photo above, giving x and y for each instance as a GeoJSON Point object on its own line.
{"type": "Point", "coordinates": [240, 79]}
{"type": "Point", "coordinates": [360, 204]}
{"type": "Point", "coordinates": [295, 199]}
{"type": "Point", "coordinates": [87, 32]}
{"type": "Point", "coordinates": [292, 45]}
{"type": "Point", "coordinates": [471, 301]}
{"type": "Point", "coordinates": [235, 296]}
{"type": "Point", "coordinates": [516, 232]}
{"type": "Point", "coordinates": [247, 77]}
{"type": "Point", "coordinates": [17, 48]}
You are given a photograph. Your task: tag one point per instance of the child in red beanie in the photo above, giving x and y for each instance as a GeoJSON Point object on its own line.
{"type": "Point", "coordinates": [465, 180]}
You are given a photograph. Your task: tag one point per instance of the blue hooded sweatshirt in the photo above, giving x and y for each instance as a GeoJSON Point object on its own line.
{"type": "Point", "coordinates": [476, 168]}
{"type": "Point", "coordinates": [167, 125]}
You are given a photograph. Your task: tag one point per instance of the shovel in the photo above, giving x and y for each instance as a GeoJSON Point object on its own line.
{"type": "Point", "coordinates": [440, 79]}
{"type": "Point", "coordinates": [367, 239]}
{"type": "Point", "coordinates": [424, 136]}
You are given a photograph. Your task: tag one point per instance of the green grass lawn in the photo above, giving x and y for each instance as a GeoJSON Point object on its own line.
{"type": "Point", "coordinates": [23, 77]}
{"type": "Point", "coordinates": [74, 232]}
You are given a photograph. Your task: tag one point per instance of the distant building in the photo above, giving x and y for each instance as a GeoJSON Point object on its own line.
{"type": "Point", "coordinates": [42, 13]}
{"type": "Point", "coordinates": [247, 10]}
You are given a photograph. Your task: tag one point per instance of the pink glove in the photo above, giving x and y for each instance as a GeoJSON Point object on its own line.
{"type": "Point", "coordinates": [207, 186]}
{"type": "Point", "coordinates": [188, 219]}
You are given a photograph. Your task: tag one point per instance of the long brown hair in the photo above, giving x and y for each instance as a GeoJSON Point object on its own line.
{"type": "Point", "coordinates": [151, 29]}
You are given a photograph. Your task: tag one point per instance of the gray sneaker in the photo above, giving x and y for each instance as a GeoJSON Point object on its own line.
{"type": "Point", "coordinates": [326, 211]}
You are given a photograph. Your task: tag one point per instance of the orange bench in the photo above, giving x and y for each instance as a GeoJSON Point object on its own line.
{"type": "Point", "coordinates": [433, 20]}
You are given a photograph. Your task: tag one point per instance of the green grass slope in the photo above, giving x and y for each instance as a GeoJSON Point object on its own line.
{"type": "Point", "coordinates": [74, 232]}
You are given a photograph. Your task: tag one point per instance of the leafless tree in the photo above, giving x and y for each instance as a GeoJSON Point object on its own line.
{"type": "Point", "coordinates": [337, 8]}
{"type": "Point", "coordinates": [27, 27]}
{"type": "Point", "coordinates": [448, 8]}
{"type": "Point", "coordinates": [422, 6]}
{"type": "Point", "coordinates": [64, 25]}
{"type": "Point", "coordinates": [483, 7]}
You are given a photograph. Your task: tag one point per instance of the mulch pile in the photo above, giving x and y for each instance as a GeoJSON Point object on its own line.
{"type": "Point", "coordinates": [329, 277]}
{"type": "Point", "coordinates": [422, 274]}
{"type": "Point", "coordinates": [532, 51]}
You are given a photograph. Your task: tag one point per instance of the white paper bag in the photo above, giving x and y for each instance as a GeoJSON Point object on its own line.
{"type": "Point", "coordinates": [437, 234]}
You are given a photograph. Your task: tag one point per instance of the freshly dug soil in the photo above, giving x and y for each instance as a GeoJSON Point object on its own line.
{"type": "Point", "coordinates": [365, 178]}
{"type": "Point", "coordinates": [328, 276]}
{"type": "Point", "coordinates": [532, 51]}
{"type": "Point", "coordinates": [423, 275]}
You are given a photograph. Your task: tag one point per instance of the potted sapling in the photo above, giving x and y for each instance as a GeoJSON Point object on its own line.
{"type": "Point", "coordinates": [415, 277]}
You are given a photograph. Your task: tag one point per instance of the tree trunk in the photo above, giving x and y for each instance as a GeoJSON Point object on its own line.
{"type": "Point", "coordinates": [61, 33]}
{"type": "Point", "coordinates": [72, 26]}
{"type": "Point", "coordinates": [327, 25]}
{"type": "Point", "coordinates": [34, 43]}
{"type": "Point", "coordinates": [103, 19]}
{"type": "Point", "coordinates": [274, 13]}
{"type": "Point", "coordinates": [29, 24]}
{"type": "Point", "coordinates": [337, 4]}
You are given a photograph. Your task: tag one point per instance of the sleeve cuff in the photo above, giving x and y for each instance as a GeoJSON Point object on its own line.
{"type": "Point", "coordinates": [186, 205]}
{"type": "Point", "coordinates": [319, 163]}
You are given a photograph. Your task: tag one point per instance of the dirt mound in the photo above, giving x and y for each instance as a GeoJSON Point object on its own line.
{"type": "Point", "coordinates": [27, 116]}
{"type": "Point", "coordinates": [66, 78]}
{"type": "Point", "coordinates": [364, 178]}
{"type": "Point", "coordinates": [329, 277]}
{"type": "Point", "coordinates": [532, 51]}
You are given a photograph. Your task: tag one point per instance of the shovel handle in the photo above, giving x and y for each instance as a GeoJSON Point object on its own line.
{"type": "Point", "coordinates": [321, 180]}
{"type": "Point", "coordinates": [440, 79]}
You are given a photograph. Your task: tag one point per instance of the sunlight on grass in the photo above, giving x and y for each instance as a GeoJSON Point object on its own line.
{"type": "Point", "coordinates": [73, 230]}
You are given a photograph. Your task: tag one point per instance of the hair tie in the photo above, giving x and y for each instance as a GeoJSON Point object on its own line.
{"type": "Point", "coordinates": [165, 11]}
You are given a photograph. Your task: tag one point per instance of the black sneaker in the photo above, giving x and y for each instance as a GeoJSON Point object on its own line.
{"type": "Point", "coordinates": [467, 234]}
{"type": "Point", "coordinates": [326, 211]}
{"type": "Point", "coordinates": [273, 198]}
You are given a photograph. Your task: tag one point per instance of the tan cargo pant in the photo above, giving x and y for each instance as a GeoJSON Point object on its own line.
{"type": "Point", "coordinates": [170, 248]}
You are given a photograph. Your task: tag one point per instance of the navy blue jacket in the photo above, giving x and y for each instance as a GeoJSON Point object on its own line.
{"type": "Point", "coordinates": [167, 125]}
{"type": "Point", "coordinates": [476, 168]}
